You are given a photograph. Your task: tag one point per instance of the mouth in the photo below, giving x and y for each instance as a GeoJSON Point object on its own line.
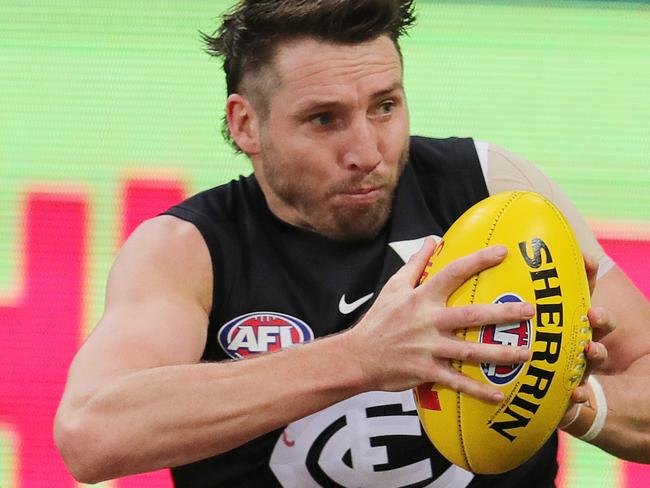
{"type": "Point", "coordinates": [362, 191]}
{"type": "Point", "coordinates": [363, 195]}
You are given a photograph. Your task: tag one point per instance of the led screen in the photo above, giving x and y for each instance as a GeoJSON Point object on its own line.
{"type": "Point", "coordinates": [110, 112]}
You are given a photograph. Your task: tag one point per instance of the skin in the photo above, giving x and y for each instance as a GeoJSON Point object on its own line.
{"type": "Point", "coordinates": [619, 356]}
{"type": "Point", "coordinates": [139, 399]}
{"type": "Point", "coordinates": [345, 135]}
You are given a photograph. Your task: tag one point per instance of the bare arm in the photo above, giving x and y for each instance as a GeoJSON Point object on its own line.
{"type": "Point", "coordinates": [622, 366]}
{"type": "Point", "coordinates": [625, 373]}
{"type": "Point", "coordinates": [138, 398]}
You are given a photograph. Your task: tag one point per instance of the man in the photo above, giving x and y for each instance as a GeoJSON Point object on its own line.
{"type": "Point", "coordinates": [313, 245]}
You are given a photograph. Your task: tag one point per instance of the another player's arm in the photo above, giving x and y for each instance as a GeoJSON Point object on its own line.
{"type": "Point", "coordinates": [138, 398]}
{"type": "Point", "coordinates": [625, 374]}
{"type": "Point", "coordinates": [624, 362]}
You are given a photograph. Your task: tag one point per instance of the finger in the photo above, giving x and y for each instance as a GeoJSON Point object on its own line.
{"type": "Point", "coordinates": [449, 278]}
{"type": "Point", "coordinates": [451, 318]}
{"type": "Point", "coordinates": [473, 352]}
{"type": "Point", "coordinates": [580, 394]}
{"type": "Point", "coordinates": [412, 271]}
{"type": "Point", "coordinates": [451, 378]}
{"type": "Point", "coordinates": [596, 354]}
{"type": "Point", "coordinates": [591, 267]}
{"type": "Point", "coordinates": [602, 322]}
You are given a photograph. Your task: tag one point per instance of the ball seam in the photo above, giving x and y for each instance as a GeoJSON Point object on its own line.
{"type": "Point", "coordinates": [515, 196]}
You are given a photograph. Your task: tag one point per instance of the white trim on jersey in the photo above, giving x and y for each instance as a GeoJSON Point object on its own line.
{"type": "Point", "coordinates": [482, 152]}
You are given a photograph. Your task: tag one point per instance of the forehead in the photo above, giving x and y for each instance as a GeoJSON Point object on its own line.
{"type": "Point", "coordinates": [309, 67]}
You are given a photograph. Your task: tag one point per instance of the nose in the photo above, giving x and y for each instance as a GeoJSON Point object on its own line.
{"type": "Point", "coordinates": [361, 147]}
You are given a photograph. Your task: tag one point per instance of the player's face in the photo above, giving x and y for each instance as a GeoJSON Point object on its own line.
{"type": "Point", "coordinates": [336, 137]}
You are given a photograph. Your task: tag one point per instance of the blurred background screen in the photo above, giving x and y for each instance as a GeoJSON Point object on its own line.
{"type": "Point", "coordinates": [110, 112]}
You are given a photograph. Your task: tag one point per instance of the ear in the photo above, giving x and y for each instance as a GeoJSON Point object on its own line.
{"type": "Point", "coordinates": [243, 123]}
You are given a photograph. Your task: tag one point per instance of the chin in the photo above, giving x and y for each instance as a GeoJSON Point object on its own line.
{"type": "Point", "coordinates": [355, 225]}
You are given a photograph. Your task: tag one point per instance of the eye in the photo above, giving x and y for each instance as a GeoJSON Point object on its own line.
{"type": "Point", "coordinates": [386, 107]}
{"type": "Point", "coordinates": [322, 119]}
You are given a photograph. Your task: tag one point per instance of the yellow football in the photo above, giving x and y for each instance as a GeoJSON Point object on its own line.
{"type": "Point", "coordinates": [544, 266]}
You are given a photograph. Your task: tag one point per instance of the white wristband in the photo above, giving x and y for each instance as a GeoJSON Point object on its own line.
{"type": "Point", "coordinates": [601, 411]}
{"type": "Point", "coordinates": [575, 417]}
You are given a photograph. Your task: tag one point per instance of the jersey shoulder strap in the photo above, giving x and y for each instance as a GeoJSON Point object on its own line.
{"type": "Point", "coordinates": [448, 171]}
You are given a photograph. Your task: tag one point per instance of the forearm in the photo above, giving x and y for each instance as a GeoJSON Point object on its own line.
{"type": "Point", "coordinates": [173, 415]}
{"type": "Point", "coordinates": [626, 431]}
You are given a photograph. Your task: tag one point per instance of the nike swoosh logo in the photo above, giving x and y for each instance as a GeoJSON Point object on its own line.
{"type": "Point", "coordinates": [346, 308]}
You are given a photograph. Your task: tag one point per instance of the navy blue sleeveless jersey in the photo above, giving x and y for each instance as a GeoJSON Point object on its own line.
{"type": "Point", "coordinates": [277, 285]}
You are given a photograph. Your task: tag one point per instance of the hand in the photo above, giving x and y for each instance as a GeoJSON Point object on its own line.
{"type": "Point", "coordinates": [408, 336]}
{"type": "Point", "coordinates": [602, 322]}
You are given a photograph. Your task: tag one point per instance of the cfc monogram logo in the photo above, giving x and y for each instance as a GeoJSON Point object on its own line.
{"type": "Point", "coordinates": [373, 439]}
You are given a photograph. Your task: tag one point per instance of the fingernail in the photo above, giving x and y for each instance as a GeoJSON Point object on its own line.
{"type": "Point", "coordinates": [500, 251]}
{"type": "Point", "coordinates": [592, 350]}
{"type": "Point", "coordinates": [498, 397]}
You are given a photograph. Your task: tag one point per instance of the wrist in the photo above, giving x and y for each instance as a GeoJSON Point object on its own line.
{"type": "Point", "coordinates": [349, 359]}
{"type": "Point", "coordinates": [570, 416]}
{"type": "Point", "coordinates": [589, 417]}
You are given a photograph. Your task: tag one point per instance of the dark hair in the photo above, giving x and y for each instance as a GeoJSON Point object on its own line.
{"type": "Point", "coordinates": [252, 30]}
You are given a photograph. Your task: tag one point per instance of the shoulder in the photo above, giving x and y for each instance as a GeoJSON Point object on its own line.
{"type": "Point", "coordinates": [501, 169]}
{"type": "Point", "coordinates": [163, 235]}
{"type": "Point", "coordinates": [220, 203]}
{"type": "Point", "coordinates": [169, 254]}
{"type": "Point", "coordinates": [451, 148]}
{"type": "Point", "coordinates": [507, 171]}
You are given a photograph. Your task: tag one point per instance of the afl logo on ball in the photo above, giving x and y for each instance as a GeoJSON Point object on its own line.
{"type": "Point", "coordinates": [517, 334]}
{"type": "Point", "coordinates": [259, 332]}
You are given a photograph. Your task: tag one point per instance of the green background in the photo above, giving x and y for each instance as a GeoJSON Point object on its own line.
{"type": "Point", "coordinates": [95, 92]}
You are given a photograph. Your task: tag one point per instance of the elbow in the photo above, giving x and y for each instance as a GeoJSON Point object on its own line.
{"type": "Point", "coordinates": [79, 443]}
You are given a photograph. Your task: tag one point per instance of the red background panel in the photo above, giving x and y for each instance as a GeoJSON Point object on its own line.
{"type": "Point", "coordinates": [42, 328]}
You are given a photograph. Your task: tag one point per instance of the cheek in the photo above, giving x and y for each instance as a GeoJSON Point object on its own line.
{"type": "Point", "coordinates": [317, 177]}
{"type": "Point", "coordinates": [304, 167]}
{"type": "Point", "coordinates": [312, 161]}
{"type": "Point", "coordinates": [394, 142]}
{"type": "Point", "coordinates": [296, 149]}
{"type": "Point", "coordinates": [393, 134]}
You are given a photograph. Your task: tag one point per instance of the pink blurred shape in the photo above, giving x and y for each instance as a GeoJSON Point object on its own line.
{"type": "Point", "coordinates": [633, 257]}
{"type": "Point", "coordinates": [41, 333]}
{"type": "Point", "coordinates": [41, 329]}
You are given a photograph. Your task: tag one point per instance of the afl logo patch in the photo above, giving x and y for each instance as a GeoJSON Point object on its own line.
{"type": "Point", "coordinates": [517, 334]}
{"type": "Point", "coordinates": [259, 332]}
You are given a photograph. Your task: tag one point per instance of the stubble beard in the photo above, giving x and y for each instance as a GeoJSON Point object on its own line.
{"type": "Point", "coordinates": [315, 205]}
